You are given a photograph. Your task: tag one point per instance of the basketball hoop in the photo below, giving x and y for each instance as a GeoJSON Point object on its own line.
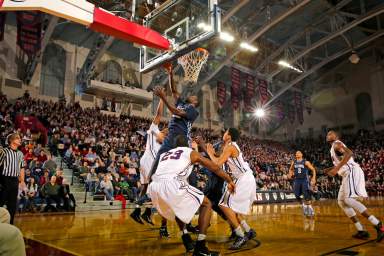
{"type": "Point", "coordinates": [192, 63]}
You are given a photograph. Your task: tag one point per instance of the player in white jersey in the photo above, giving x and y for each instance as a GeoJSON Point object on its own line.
{"type": "Point", "coordinates": [154, 139]}
{"type": "Point", "coordinates": [175, 199]}
{"type": "Point", "coordinates": [238, 204]}
{"type": "Point", "coordinates": [352, 188]}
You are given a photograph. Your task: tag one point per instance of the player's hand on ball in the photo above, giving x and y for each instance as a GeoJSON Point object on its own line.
{"type": "Point", "coordinates": [231, 187]}
{"type": "Point", "coordinates": [159, 91]}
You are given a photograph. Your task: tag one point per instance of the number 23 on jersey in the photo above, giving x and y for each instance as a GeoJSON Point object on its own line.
{"type": "Point", "coordinates": [173, 155]}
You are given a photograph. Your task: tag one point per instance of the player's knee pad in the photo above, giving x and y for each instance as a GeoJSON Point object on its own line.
{"type": "Point", "coordinates": [352, 202]}
{"type": "Point", "coordinates": [348, 210]}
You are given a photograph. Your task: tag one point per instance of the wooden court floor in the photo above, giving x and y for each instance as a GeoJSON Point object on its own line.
{"type": "Point", "coordinates": [281, 228]}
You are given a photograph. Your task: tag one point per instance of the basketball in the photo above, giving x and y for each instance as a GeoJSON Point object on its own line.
{"type": "Point", "coordinates": [191, 127]}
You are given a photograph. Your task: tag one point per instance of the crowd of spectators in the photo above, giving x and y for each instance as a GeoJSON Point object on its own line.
{"type": "Point", "coordinates": [104, 151]}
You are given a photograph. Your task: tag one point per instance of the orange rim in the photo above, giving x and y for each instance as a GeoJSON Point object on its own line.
{"type": "Point", "coordinates": [201, 49]}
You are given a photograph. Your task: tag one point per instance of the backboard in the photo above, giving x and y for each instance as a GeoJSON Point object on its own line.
{"type": "Point", "coordinates": [185, 23]}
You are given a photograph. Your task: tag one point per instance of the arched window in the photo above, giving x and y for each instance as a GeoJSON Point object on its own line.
{"type": "Point", "coordinates": [53, 69]}
{"type": "Point", "coordinates": [112, 73]}
{"type": "Point", "coordinates": [364, 110]}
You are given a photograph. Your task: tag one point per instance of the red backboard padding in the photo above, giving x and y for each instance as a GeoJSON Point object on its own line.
{"type": "Point", "coordinates": [110, 24]}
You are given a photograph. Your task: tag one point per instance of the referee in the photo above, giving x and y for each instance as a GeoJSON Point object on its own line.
{"type": "Point", "coordinates": [11, 160]}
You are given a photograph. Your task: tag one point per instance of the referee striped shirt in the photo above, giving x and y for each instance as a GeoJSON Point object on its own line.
{"type": "Point", "coordinates": [10, 162]}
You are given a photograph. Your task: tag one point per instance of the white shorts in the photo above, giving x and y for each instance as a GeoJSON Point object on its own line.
{"type": "Point", "coordinates": [244, 196]}
{"type": "Point", "coordinates": [146, 162]}
{"type": "Point", "coordinates": [174, 198]}
{"type": "Point", "coordinates": [353, 185]}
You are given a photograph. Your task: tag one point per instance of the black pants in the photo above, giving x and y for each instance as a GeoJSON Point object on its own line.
{"type": "Point", "coordinates": [9, 187]}
{"type": "Point", "coordinates": [49, 199]}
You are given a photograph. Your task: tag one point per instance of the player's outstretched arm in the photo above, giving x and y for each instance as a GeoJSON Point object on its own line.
{"type": "Point", "coordinates": [227, 152]}
{"type": "Point", "coordinates": [347, 154]}
{"type": "Point", "coordinates": [159, 112]}
{"type": "Point", "coordinates": [161, 93]}
{"type": "Point", "coordinates": [172, 86]}
{"type": "Point", "coordinates": [213, 167]}
{"type": "Point", "coordinates": [313, 170]}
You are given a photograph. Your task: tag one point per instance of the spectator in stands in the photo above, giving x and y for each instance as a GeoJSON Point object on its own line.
{"type": "Point", "coordinates": [32, 192]}
{"type": "Point", "coordinates": [107, 187]}
{"type": "Point", "coordinates": [44, 179]}
{"type": "Point", "coordinates": [50, 164]}
{"type": "Point", "coordinates": [92, 181]}
{"type": "Point", "coordinates": [22, 196]}
{"type": "Point", "coordinates": [51, 192]}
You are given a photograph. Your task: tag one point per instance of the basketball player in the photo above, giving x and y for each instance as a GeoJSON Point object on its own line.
{"type": "Point", "coordinates": [238, 204]}
{"type": "Point", "coordinates": [299, 169]}
{"type": "Point", "coordinates": [154, 139]}
{"type": "Point", "coordinates": [352, 189]}
{"type": "Point", "coordinates": [184, 113]}
{"type": "Point", "coordinates": [174, 198]}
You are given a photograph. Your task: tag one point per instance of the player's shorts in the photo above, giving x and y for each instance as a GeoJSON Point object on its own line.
{"type": "Point", "coordinates": [353, 185]}
{"type": "Point", "coordinates": [244, 196]}
{"type": "Point", "coordinates": [301, 187]}
{"type": "Point", "coordinates": [146, 162]}
{"type": "Point", "coordinates": [175, 198]}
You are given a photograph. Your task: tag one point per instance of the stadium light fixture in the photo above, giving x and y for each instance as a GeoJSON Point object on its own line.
{"type": "Point", "coordinates": [259, 113]}
{"type": "Point", "coordinates": [285, 64]}
{"type": "Point", "coordinates": [225, 36]}
{"type": "Point", "coordinates": [204, 26]}
{"type": "Point", "coordinates": [248, 47]}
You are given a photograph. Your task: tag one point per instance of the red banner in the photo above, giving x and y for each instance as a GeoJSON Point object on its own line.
{"type": "Point", "coordinates": [235, 88]}
{"type": "Point", "coordinates": [3, 16]}
{"type": "Point", "coordinates": [221, 93]}
{"type": "Point", "coordinates": [29, 31]}
{"type": "Point", "coordinates": [299, 107]}
{"type": "Point", "coordinates": [263, 91]}
{"type": "Point", "coordinates": [249, 93]}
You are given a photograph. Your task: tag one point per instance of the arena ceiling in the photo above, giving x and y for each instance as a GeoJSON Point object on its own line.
{"type": "Point", "coordinates": [311, 35]}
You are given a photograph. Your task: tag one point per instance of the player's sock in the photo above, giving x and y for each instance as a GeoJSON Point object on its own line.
{"type": "Point", "coordinates": [239, 232]}
{"type": "Point", "coordinates": [358, 226]}
{"type": "Point", "coordinates": [201, 237]}
{"type": "Point", "coordinates": [373, 220]}
{"type": "Point", "coordinates": [245, 226]}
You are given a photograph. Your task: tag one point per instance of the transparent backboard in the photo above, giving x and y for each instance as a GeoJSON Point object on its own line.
{"type": "Point", "coordinates": [185, 23]}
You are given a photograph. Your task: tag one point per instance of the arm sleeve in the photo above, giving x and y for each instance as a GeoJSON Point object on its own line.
{"type": "Point", "coordinates": [154, 129]}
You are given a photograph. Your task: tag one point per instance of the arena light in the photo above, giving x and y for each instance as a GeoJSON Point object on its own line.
{"type": "Point", "coordinates": [259, 113]}
{"type": "Point", "coordinates": [204, 26]}
{"type": "Point", "coordinates": [225, 36]}
{"type": "Point", "coordinates": [248, 47]}
{"type": "Point", "coordinates": [285, 64]}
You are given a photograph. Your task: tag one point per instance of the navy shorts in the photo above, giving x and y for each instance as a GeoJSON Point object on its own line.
{"type": "Point", "coordinates": [301, 187]}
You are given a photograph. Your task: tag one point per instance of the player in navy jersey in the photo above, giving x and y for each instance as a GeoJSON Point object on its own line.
{"type": "Point", "coordinates": [300, 171]}
{"type": "Point", "coordinates": [184, 113]}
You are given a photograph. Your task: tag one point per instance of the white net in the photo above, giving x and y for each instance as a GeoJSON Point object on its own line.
{"type": "Point", "coordinates": [192, 63]}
